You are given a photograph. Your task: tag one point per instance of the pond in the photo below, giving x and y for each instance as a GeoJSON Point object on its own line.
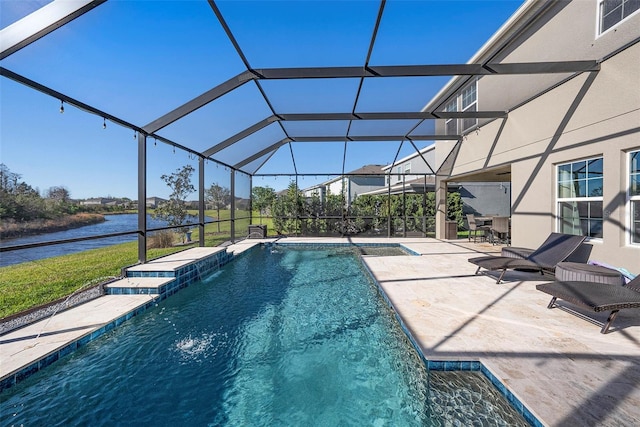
{"type": "Point", "coordinates": [113, 224]}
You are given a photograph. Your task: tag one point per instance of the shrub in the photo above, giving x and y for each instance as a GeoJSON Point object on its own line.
{"type": "Point", "coordinates": [161, 239]}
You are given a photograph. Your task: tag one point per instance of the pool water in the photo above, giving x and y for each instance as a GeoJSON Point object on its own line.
{"type": "Point", "coordinates": [280, 336]}
{"type": "Point", "coordinates": [382, 250]}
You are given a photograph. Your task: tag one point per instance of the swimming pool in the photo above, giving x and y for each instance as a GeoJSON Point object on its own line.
{"type": "Point", "coordinates": [280, 336]}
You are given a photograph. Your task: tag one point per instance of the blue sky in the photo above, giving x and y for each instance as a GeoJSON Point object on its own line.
{"type": "Point", "coordinates": [138, 60]}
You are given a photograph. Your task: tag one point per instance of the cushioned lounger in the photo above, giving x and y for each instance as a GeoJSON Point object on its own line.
{"type": "Point", "coordinates": [555, 249]}
{"type": "Point", "coordinates": [595, 296]}
{"type": "Point", "coordinates": [516, 252]}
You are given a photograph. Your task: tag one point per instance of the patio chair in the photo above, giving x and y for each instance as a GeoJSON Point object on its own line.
{"type": "Point", "coordinates": [500, 230]}
{"type": "Point", "coordinates": [544, 259]}
{"type": "Point", "coordinates": [596, 297]}
{"type": "Point", "coordinates": [581, 255]}
{"type": "Point", "coordinates": [474, 227]}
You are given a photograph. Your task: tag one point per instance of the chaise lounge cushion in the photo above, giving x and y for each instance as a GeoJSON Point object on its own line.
{"type": "Point", "coordinates": [580, 272]}
{"type": "Point", "coordinates": [516, 252]}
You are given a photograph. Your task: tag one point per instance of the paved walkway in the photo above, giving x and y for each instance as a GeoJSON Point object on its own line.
{"type": "Point", "coordinates": [557, 363]}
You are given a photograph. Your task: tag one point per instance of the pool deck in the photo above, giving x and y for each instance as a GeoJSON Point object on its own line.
{"type": "Point", "coordinates": [558, 364]}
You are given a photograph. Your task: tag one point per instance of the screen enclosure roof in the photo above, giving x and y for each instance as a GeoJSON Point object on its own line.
{"type": "Point", "coordinates": [273, 87]}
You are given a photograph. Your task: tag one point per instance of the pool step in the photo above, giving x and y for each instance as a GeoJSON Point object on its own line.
{"type": "Point", "coordinates": [139, 286]}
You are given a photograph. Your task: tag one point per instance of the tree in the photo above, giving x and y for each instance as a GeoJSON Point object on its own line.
{"type": "Point", "coordinates": [262, 199]}
{"type": "Point", "coordinates": [58, 193]}
{"type": "Point", "coordinates": [219, 198]}
{"type": "Point", "coordinates": [174, 211]}
{"type": "Point", "coordinates": [18, 200]}
{"type": "Point", "coordinates": [286, 209]}
{"type": "Point", "coordinates": [58, 201]}
{"type": "Point", "coordinates": [8, 179]}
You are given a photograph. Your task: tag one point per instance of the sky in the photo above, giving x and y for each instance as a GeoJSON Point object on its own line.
{"type": "Point", "coordinates": [138, 60]}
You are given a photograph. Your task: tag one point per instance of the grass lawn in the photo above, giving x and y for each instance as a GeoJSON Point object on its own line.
{"type": "Point", "coordinates": [30, 284]}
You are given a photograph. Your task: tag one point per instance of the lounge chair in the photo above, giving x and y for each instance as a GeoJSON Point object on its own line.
{"type": "Point", "coordinates": [596, 297]}
{"type": "Point", "coordinates": [580, 255]}
{"type": "Point", "coordinates": [554, 250]}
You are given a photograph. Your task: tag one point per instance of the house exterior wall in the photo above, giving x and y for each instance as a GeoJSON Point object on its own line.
{"type": "Point", "coordinates": [567, 32]}
{"type": "Point", "coordinates": [335, 188]}
{"type": "Point", "coordinates": [363, 184]}
{"type": "Point", "coordinates": [416, 164]}
{"type": "Point", "coordinates": [594, 114]}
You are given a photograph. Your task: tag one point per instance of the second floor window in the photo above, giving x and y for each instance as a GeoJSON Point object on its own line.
{"type": "Point", "coordinates": [451, 125]}
{"type": "Point", "coordinates": [469, 103]}
{"type": "Point", "coordinates": [613, 11]}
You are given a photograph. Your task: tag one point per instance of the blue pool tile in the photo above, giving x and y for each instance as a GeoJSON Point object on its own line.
{"type": "Point", "coordinates": [71, 347]}
{"type": "Point", "coordinates": [95, 334]}
{"type": "Point", "coordinates": [49, 359]}
{"type": "Point", "coordinates": [436, 366]}
{"type": "Point", "coordinates": [27, 371]}
{"type": "Point", "coordinates": [531, 419]}
{"type": "Point", "coordinates": [7, 383]}
{"type": "Point", "coordinates": [451, 366]}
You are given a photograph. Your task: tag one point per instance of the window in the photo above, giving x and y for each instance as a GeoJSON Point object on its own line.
{"type": "Point", "coordinates": [451, 125]}
{"type": "Point", "coordinates": [399, 173]}
{"type": "Point", "coordinates": [407, 167]}
{"type": "Point", "coordinates": [634, 195]}
{"type": "Point", "coordinates": [469, 102]}
{"type": "Point", "coordinates": [612, 12]}
{"type": "Point", "coordinates": [579, 198]}
{"type": "Point", "coordinates": [465, 101]}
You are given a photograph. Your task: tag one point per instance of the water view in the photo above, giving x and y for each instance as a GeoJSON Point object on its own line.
{"type": "Point", "coordinates": [113, 224]}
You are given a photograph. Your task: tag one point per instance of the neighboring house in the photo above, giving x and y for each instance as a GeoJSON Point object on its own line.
{"type": "Point", "coordinates": [570, 142]}
{"type": "Point", "coordinates": [485, 198]}
{"type": "Point", "coordinates": [242, 203]}
{"type": "Point", "coordinates": [99, 201]}
{"type": "Point", "coordinates": [412, 167]}
{"type": "Point", "coordinates": [352, 184]}
{"type": "Point", "coordinates": [153, 202]}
